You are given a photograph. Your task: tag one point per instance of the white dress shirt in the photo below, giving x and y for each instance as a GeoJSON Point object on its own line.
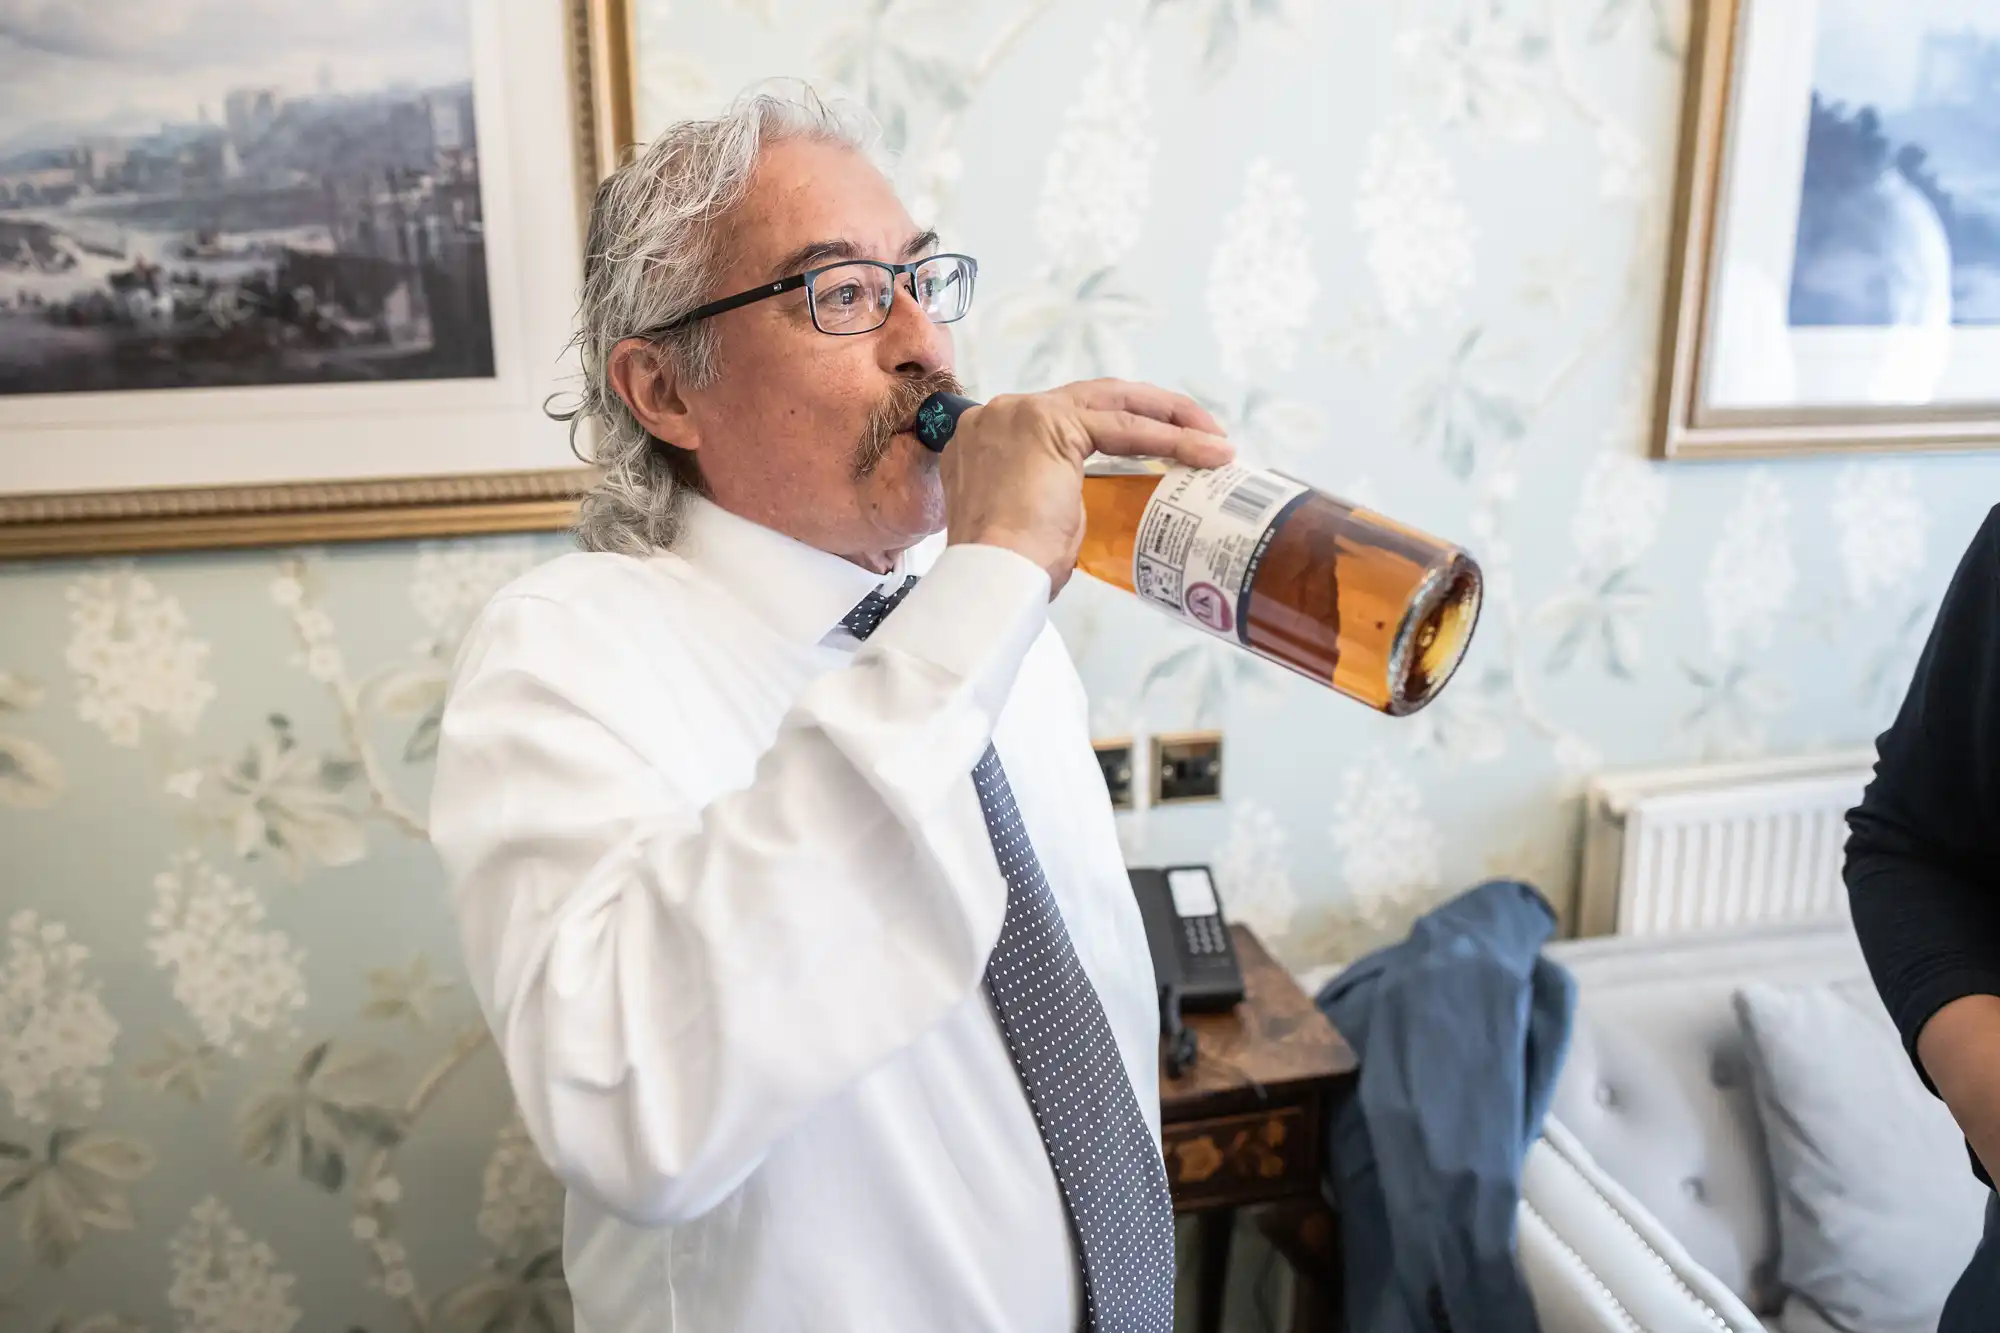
{"type": "Point", "coordinates": [726, 896]}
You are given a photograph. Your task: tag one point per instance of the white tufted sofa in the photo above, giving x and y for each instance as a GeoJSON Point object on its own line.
{"type": "Point", "coordinates": [1648, 1205]}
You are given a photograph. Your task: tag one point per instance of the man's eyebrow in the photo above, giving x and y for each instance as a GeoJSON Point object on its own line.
{"type": "Point", "coordinates": [813, 254]}
{"type": "Point", "coordinates": [821, 252]}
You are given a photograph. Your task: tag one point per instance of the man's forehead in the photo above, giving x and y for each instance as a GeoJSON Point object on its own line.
{"type": "Point", "coordinates": [821, 198]}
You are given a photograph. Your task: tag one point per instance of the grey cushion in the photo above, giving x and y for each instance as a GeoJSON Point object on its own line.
{"type": "Point", "coordinates": [1878, 1210]}
{"type": "Point", "coordinates": [1657, 1085]}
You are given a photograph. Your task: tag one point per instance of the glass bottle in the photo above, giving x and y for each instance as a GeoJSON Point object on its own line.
{"type": "Point", "coordinates": [1376, 610]}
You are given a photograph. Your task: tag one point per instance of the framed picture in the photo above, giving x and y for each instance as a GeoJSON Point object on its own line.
{"type": "Point", "coordinates": [288, 270]}
{"type": "Point", "coordinates": [1835, 267]}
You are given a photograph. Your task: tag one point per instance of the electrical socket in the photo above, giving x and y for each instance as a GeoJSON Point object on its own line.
{"type": "Point", "coordinates": [1187, 767]}
{"type": "Point", "coordinates": [1114, 757]}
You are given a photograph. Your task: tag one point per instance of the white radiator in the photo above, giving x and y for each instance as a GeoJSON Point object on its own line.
{"type": "Point", "coordinates": [1718, 845]}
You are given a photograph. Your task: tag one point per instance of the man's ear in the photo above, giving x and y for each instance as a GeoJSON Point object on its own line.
{"type": "Point", "coordinates": [646, 381]}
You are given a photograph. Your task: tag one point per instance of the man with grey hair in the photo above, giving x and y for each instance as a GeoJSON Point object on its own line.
{"type": "Point", "coordinates": [802, 926]}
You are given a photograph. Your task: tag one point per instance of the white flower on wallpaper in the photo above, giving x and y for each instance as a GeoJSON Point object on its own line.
{"type": "Point", "coordinates": [1550, 282]}
{"type": "Point", "coordinates": [1487, 523]}
{"type": "Point", "coordinates": [372, 1227]}
{"type": "Point", "coordinates": [30, 775]}
{"type": "Point", "coordinates": [1624, 173]}
{"type": "Point", "coordinates": [1751, 571]}
{"type": "Point", "coordinates": [1253, 872]}
{"type": "Point", "coordinates": [1492, 498]}
{"type": "Point", "coordinates": [1615, 523]}
{"type": "Point", "coordinates": [1388, 846]}
{"type": "Point", "coordinates": [224, 1281]}
{"type": "Point", "coordinates": [1096, 187]}
{"type": "Point", "coordinates": [1261, 285]}
{"type": "Point", "coordinates": [1882, 527]}
{"type": "Point", "coordinates": [319, 647]}
{"type": "Point", "coordinates": [1617, 517]}
{"type": "Point", "coordinates": [235, 976]}
{"type": "Point", "coordinates": [1098, 181]}
{"type": "Point", "coordinates": [58, 1034]}
{"type": "Point", "coordinates": [451, 581]}
{"type": "Point", "coordinates": [1416, 232]}
{"type": "Point", "coordinates": [520, 1200]}
{"type": "Point", "coordinates": [1746, 588]}
{"type": "Point", "coordinates": [133, 657]}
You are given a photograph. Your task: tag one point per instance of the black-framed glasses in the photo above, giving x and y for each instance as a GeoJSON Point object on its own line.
{"type": "Point", "coordinates": [855, 295]}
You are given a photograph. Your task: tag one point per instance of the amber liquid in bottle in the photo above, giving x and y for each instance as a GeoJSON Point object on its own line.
{"type": "Point", "coordinates": [1378, 611]}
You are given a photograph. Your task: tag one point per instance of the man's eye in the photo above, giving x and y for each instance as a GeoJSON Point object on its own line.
{"type": "Point", "coordinates": [847, 294]}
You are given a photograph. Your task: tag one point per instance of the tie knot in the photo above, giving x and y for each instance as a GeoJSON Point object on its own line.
{"type": "Point", "coordinates": [871, 610]}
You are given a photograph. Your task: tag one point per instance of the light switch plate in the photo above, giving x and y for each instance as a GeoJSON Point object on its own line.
{"type": "Point", "coordinates": [1187, 767]}
{"type": "Point", "coordinates": [1114, 757]}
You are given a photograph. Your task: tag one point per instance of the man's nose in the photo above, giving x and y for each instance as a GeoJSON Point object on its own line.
{"type": "Point", "coordinates": [911, 344]}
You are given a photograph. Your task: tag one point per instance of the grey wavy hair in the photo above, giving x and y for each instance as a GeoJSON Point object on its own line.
{"type": "Point", "coordinates": [655, 249]}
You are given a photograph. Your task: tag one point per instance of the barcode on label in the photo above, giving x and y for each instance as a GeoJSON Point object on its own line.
{"type": "Point", "coordinates": [1251, 496]}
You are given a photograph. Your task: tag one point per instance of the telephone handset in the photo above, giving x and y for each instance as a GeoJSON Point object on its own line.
{"type": "Point", "coordinates": [1189, 939]}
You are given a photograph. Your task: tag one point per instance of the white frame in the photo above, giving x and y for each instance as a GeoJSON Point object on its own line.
{"type": "Point", "coordinates": [173, 467]}
{"type": "Point", "coordinates": [1757, 232]}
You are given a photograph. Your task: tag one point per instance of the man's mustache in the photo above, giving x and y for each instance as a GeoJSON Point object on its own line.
{"type": "Point", "coordinates": [897, 411]}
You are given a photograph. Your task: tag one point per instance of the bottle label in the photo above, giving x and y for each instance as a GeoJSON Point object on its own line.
{"type": "Point", "coordinates": [1202, 537]}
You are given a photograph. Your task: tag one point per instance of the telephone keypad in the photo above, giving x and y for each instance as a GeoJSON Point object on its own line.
{"type": "Point", "coordinates": [1205, 935]}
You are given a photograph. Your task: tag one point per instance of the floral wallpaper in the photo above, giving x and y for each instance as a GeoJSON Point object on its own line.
{"type": "Point", "coordinates": [244, 1089]}
{"type": "Point", "coordinates": [1411, 251]}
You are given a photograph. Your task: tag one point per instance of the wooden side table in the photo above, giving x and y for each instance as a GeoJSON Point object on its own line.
{"type": "Point", "coordinates": [1247, 1127]}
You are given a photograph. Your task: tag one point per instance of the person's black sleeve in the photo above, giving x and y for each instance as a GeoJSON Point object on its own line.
{"type": "Point", "coordinates": [1923, 852]}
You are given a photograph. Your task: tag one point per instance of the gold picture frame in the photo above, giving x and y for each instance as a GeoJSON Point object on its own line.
{"type": "Point", "coordinates": [1713, 120]}
{"type": "Point", "coordinates": [605, 42]}
{"type": "Point", "coordinates": [594, 75]}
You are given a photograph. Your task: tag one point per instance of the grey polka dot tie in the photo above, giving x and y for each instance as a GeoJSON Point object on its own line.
{"type": "Point", "coordinates": [1113, 1181]}
{"type": "Point", "coordinates": [870, 610]}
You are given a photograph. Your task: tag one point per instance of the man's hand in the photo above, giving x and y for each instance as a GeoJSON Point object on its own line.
{"type": "Point", "coordinates": [1960, 1048]}
{"type": "Point", "coordinates": [1013, 475]}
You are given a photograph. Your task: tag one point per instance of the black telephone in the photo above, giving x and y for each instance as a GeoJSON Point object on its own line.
{"type": "Point", "coordinates": [1192, 952]}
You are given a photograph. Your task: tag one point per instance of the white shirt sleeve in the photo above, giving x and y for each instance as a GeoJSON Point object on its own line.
{"type": "Point", "coordinates": [672, 984]}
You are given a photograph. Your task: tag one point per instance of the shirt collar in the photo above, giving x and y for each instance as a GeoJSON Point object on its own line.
{"type": "Point", "coordinates": [800, 590]}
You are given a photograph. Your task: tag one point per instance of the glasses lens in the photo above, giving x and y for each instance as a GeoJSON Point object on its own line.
{"type": "Point", "coordinates": [944, 288]}
{"type": "Point", "coordinates": [852, 298]}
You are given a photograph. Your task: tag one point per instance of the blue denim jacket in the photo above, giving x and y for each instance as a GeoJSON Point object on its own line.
{"type": "Point", "coordinates": [1460, 1030]}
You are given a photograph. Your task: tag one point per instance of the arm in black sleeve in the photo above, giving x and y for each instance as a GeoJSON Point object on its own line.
{"type": "Point", "coordinates": [1923, 855]}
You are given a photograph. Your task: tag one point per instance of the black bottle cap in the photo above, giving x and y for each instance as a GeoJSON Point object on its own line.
{"type": "Point", "coordinates": [937, 419]}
